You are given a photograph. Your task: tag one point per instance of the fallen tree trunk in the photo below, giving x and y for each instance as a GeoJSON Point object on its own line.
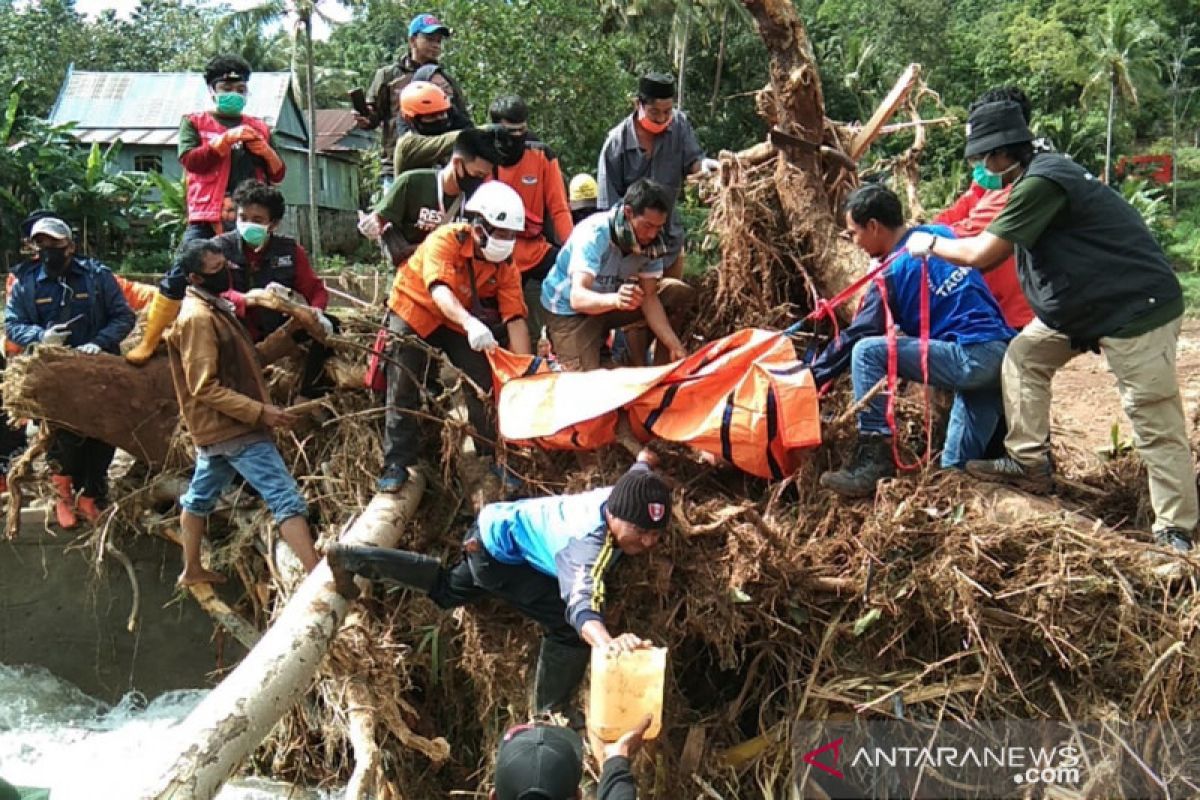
{"type": "Point", "coordinates": [129, 407]}
{"type": "Point", "coordinates": [231, 721]}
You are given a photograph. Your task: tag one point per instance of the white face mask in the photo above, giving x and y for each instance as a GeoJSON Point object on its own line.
{"type": "Point", "coordinates": [497, 250]}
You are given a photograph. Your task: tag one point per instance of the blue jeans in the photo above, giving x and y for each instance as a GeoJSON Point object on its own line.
{"type": "Point", "coordinates": [262, 467]}
{"type": "Point", "coordinates": [971, 371]}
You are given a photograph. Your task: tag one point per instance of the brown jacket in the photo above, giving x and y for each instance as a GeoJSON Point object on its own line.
{"type": "Point", "coordinates": [217, 370]}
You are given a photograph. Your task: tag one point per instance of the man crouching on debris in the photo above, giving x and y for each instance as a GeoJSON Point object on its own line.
{"type": "Point", "coordinates": [223, 399]}
{"type": "Point", "coordinates": [547, 557]}
{"type": "Point", "coordinates": [967, 340]}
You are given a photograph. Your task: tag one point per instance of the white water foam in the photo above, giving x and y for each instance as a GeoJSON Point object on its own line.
{"type": "Point", "coordinates": [54, 736]}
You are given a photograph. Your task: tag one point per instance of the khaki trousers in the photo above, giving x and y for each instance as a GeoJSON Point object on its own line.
{"type": "Point", "coordinates": [1144, 367]}
{"type": "Point", "coordinates": [577, 338]}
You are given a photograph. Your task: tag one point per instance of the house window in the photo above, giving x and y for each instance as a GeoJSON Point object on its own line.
{"type": "Point", "coordinates": [148, 162]}
{"type": "Point", "coordinates": [324, 185]}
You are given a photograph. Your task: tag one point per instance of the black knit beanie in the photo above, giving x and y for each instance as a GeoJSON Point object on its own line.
{"type": "Point", "coordinates": [642, 498]}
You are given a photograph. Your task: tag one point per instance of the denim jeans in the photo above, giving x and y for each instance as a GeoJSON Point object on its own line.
{"type": "Point", "coordinates": [971, 371]}
{"type": "Point", "coordinates": [262, 467]}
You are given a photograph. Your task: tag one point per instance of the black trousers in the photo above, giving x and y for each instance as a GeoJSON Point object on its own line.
{"type": "Point", "coordinates": [85, 459]}
{"type": "Point", "coordinates": [530, 592]}
{"type": "Point", "coordinates": [408, 372]}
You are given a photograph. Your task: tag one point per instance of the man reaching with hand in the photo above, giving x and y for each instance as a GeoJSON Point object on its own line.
{"type": "Point", "coordinates": [609, 275]}
{"type": "Point", "coordinates": [546, 556]}
{"type": "Point", "coordinates": [223, 399]}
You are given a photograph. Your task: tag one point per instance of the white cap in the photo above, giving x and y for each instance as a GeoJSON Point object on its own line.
{"type": "Point", "coordinates": [53, 227]}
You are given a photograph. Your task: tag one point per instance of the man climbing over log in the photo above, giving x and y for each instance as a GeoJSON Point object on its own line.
{"type": "Point", "coordinates": [73, 301]}
{"type": "Point", "coordinates": [609, 275]}
{"type": "Point", "coordinates": [422, 199]}
{"type": "Point", "coordinates": [967, 339]}
{"type": "Point", "coordinates": [1097, 280]}
{"type": "Point", "coordinates": [656, 141]}
{"type": "Point", "coordinates": [548, 557]}
{"type": "Point", "coordinates": [455, 293]}
{"type": "Point", "coordinates": [219, 149]}
{"type": "Point", "coordinates": [223, 399]}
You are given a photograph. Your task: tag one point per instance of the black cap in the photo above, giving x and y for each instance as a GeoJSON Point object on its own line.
{"type": "Point", "coordinates": [657, 86]}
{"type": "Point", "coordinates": [993, 125]}
{"type": "Point", "coordinates": [642, 498]}
{"type": "Point", "coordinates": [539, 761]}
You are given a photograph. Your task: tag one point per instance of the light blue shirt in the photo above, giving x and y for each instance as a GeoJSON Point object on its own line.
{"type": "Point", "coordinates": [590, 248]}
{"type": "Point", "coordinates": [535, 530]}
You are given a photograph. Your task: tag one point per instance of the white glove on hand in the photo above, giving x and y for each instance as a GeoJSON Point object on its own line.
{"type": "Point", "coordinates": [920, 243]}
{"type": "Point", "coordinates": [372, 225]}
{"type": "Point", "coordinates": [56, 334]}
{"type": "Point", "coordinates": [479, 336]}
{"type": "Point", "coordinates": [710, 166]}
{"type": "Point", "coordinates": [89, 349]}
{"type": "Point", "coordinates": [326, 324]}
{"type": "Point", "coordinates": [283, 292]}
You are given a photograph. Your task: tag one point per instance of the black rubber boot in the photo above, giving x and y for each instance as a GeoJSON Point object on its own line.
{"type": "Point", "coordinates": [381, 564]}
{"type": "Point", "coordinates": [872, 461]}
{"type": "Point", "coordinates": [560, 670]}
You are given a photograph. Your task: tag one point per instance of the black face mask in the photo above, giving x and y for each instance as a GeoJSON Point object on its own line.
{"type": "Point", "coordinates": [436, 128]}
{"type": "Point", "coordinates": [217, 282]}
{"type": "Point", "coordinates": [510, 147]}
{"type": "Point", "coordinates": [467, 184]}
{"type": "Point", "coordinates": [54, 259]}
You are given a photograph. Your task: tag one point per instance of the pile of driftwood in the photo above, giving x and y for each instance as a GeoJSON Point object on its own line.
{"type": "Point", "coordinates": [781, 604]}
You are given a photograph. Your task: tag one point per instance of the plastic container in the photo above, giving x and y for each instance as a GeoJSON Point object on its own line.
{"type": "Point", "coordinates": [625, 688]}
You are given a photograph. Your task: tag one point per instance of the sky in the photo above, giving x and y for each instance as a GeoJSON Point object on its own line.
{"type": "Point", "coordinates": [331, 8]}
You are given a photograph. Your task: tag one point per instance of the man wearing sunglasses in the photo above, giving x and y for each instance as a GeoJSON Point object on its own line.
{"type": "Point", "coordinates": [546, 556]}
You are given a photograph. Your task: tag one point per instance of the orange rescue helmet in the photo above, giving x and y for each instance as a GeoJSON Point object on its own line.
{"type": "Point", "coordinates": [421, 98]}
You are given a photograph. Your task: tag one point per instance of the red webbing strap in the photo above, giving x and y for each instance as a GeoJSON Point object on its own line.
{"type": "Point", "coordinates": [893, 370]}
{"type": "Point", "coordinates": [827, 308]}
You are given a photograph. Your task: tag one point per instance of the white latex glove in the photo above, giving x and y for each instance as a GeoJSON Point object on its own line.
{"type": "Point", "coordinates": [326, 324]}
{"type": "Point", "coordinates": [290, 295]}
{"type": "Point", "coordinates": [920, 243]}
{"type": "Point", "coordinates": [56, 334]}
{"type": "Point", "coordinates": [710, 166]}
{"type": "Point", "coordinates": [89, 349]}
{"type": "Point", "coordinates": [479, 336]}
{"type": "Point", "coordinates": [372, 225]}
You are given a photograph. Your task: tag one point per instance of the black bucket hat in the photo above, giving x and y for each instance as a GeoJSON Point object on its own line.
{"type": "Point", "coordinates": [994, 125]}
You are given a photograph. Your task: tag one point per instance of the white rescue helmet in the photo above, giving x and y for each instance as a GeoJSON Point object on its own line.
{"type": "Point", "coordinates": [499, 205]}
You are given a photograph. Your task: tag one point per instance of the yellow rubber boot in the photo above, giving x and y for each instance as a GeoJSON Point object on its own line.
{"type": "Point", "coordinates": [163, 311]}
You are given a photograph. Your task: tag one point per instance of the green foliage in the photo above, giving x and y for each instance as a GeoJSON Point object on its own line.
{"type": "Point", "coordinates": [1149, 201]}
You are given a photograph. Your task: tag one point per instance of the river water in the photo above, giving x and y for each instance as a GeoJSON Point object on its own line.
{"type": "Point", "coordinates": [54, 736]}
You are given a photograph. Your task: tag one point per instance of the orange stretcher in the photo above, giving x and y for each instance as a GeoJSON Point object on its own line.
{"type": "Point", "coordinates": [744, 398]}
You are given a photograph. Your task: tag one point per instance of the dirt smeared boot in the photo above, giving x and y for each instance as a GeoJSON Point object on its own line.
{"type": "Point", "coordinates": [872, 461]}
{"type": "Point", "coordinates": [64, 506]}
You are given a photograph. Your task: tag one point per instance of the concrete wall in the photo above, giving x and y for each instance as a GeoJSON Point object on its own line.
{"type": "Point", "coordinates": [56, 613]}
